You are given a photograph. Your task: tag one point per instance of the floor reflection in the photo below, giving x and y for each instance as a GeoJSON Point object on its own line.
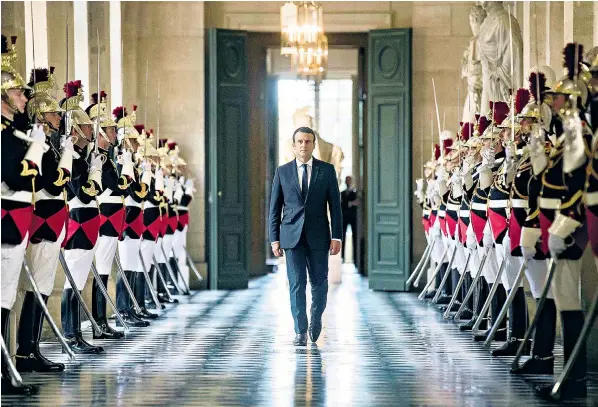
{"type": "Point", "coordinates": [235, 349]}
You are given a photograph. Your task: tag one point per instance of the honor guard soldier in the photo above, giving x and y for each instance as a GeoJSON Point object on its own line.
{"type": "Point", "coordinates": [493, 156]}
{"type": "Point", "coordinates": [21, 163]}
{"type": "Point", "coordinates": [535, 120]}
{"type": "Point", "coordinates": [562, 208]}
{"type": "Point", "coordinates": [47, 230]}
{"type": "Point", "coordinates": [434, 233]}
{"type": "Point", "coordinates": [130, 241]}
{"type": "Point", "coordinates": [151, 218]}
{"type": "Point", "coordinates": [471, 166]}
{"type": "Point", "coordinates": [499, 208]}
{"type": "Point", "coordinates": [84, 217]}
{"type": "Point", "coordinates": [115, 183]}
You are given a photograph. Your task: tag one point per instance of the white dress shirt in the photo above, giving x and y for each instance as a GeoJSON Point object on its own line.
{"type": "Point", "coordinates": [300, 171]}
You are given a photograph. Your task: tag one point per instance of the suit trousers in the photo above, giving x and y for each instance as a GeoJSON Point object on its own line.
{"type": "Point", "coordinates": [302, 260]}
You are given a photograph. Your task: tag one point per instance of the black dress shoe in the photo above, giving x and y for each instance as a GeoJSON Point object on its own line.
{"type": "Point", "coordinates": [36, 362]}
{"type": "Point", "coordinates": [107, 332]}
{"type": "Point", "coordinates": [79, 346]}
{"type": "Point", "coordinates": [444, 299]}
{"type": "Point", "coordinates": [510, 348]}
{"type": "Point", "coordinates": [429, 295]}
{"type": "Point", "coordinates": [468, 326]}
{"type": "Point", "coordinates": [500, 336]}
{"type": "Point", "coordinates": [570, 389]}
{"type": "Point", "coordinates": [300, 340]}
{"type": "Point", "coordinates": [536, 365]}
{"type": "Point", "coordinates": [314, 330]}
{"type": "Point", "coordinates": [467, 314]}
{"type": "Point", "coordinates": [146, 314]}
{"type": "Point", "coordinates": [24, 390]}
{"type": "Point", "coordinates": [131, 320]}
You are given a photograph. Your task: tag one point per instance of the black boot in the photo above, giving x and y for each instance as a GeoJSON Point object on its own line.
{"type": "Point", "coordinates": [174, 266]}
{"type": "Point", "coordinates": [98, 304]}
{"type": "Point", "coordinates": [163, 296]}
{"type": "Point", "coordinates": [148, 294]}
{"type": "Point", "coordinates": [517, 327]}
{"type": "Point", "coordinates": [71, 325]}
{"type": "Point", "coordinates": [125, 305]}
{"type": "Point", "coordinates": [29, 357]}
{"type": "Point", "coordinates": [477, 301]}
{"type": "Point", "coordinates": [496, 305]}
{"type": "Point", "coordinates": [576, 384]}
{"type": "Point", "coordinates": [542, 360]}
{"type": "Point", "coordinates": [7, 387]}
{"type": "Point", "coordinates": [139, 290]}
{"type": "Point", "coordinates": [444, 297]}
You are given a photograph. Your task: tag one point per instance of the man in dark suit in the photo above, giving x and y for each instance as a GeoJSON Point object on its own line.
{"type": "Point", "coordinates": [303, 191]}
{"type": "Point", "coordinates": [349, 205]}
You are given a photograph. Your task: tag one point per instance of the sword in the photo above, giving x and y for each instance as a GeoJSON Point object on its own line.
{"type": "Point", "coordinates": [459, 284]}
{"type": "Point", "coordinates": [15, 377]}
{"type": "Point", "coordinates": [192, 264]}
{"type": "Point", "coordinates": [473, 285]}
{"type": "Point", "coordinates": [486, 306]}
{"type": "Point", "coordinates": [69, 277]}
{"type": "Point", "coordinates": [505, 308]}
{"type": "Point", "coordinates": [148, 280]}
{"type": "Point", "coordinates": [436, 270]}
{"type": "Point", "coordinates": [44, 307]}
{"type": "Point", "coordinates": [419, 266]}
{"type": "Point", "coordinates": [433, 278]}
{"type": "Point", "coordinates": [180, 274]}
{"type": "Point", "coordinates": [583, 336]}
{"type": "Point", "coordinates": [98, 279]}
{"type": "Point", "coordinates": [123, 277]}
{"type": "Point", "coordinates": [446, 276]}
{"type": "Point", "coordinates": [170, 272]}
{"type": "Point", "coordinates": [161, 277]}
{"type": "Point", "coordinates": [532, 325]}
{"type": "Point", "coordinates": [423, 268]}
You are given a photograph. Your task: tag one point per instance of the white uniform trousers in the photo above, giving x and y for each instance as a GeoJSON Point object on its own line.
{"type": "Point", "coordinates": [128, 250]}
{"type": "Point", "coordinates": [147, 253]}
{"type": "Point", "coordinates": [105, 254]}
{"type": "Point", "coordinates": [178, 247]}
{"type": "Point", "coordinates": [566, 285]}
{"type": "Point", "coordinates": [166, 244]}
{"type": "Point", "coordinates": [512, 264]}
{"type": "Point", "coordinates": [79, 263]}
{"type": "Point", "coordinates": [42, 259]}
{"type": "Point", "coordinates": [12, 261]}
{"type": "Point", "coordinates": [536, 272]}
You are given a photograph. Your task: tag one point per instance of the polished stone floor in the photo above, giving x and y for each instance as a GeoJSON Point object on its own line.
{"type": "Point", "coordinates": [234, 348]}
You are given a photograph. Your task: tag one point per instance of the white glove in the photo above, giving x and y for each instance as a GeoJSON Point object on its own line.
{"type": "Point", "coordinates": [159, 179]}
{"type": "Point", "coordinates": [145, 166]}
{"type": "Point", "coordinates": [146, 177]}
{"type": "Point", "coordinates": [528, 252]}
{"type": "Point", "coordinates": [488, 157]}
{"type": "Point", "coordinates": [471, 241]}
{"type": "Point", "coordinates": [127, 162]}
{"type": "Point", "coordinates": [178, 194]}
{"type": "Point", "coordinates": [182, 180]}
{"type": "Point", "coordinates": [95, 170]}
{"type": "Point", "coordinates": [120, 135]}
{"type": "Point", "coordinates": [556, 245]}
{"type": "Point", "coordinates": [38, 146]}
{"type": "Point", "coordinates": [488, 240]}
{"type": "Point", "coordinates": [68, 152]}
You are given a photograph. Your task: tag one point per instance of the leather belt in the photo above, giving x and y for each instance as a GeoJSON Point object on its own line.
{"type": "Point", "coordinates": [478, 206]}
{"type": "Point", "coordinates": [591, 198]}
{"type": "Point", "coordinates": [464, 213]}
{"type": "Point", "coordinates": [453, 207]}
{"type": "Point", "coordinates": [519, 203]}
{"type": "Point", "coordinates": [549, 203]}
{"type": "Point", "coordinates": [441, 214]}
{"type": "Point", "coordinates": [498, 203]}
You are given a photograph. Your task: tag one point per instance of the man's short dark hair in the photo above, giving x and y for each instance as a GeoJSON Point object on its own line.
{"type": "Point", "coordinates": [305, 130]}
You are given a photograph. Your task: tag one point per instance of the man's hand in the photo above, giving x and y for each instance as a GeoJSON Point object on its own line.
{"type": "Point", "coordinates": [278, 252]}
{"type": "Point", "coordinates": [335, 247]}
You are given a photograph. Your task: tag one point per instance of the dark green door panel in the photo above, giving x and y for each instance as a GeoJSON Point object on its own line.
{"type": "Point", "coordinates": [389, 159]}
{"type": "Point", "coordinates": [227, 134]}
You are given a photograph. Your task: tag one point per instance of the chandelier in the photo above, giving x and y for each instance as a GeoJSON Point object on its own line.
{"type": "Point", "coordinates": [303, 40]}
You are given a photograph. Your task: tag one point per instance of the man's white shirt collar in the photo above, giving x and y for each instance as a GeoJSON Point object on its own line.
{"type": "Point", "coordinates": [309, 163]}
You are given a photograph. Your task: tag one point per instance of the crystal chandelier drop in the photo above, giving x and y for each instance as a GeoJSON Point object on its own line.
{"type": "Point", "coordinates": [303, 39]}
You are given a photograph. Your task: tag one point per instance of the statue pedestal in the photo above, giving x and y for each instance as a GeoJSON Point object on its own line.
{"type": "Point", "coordinates": [335, 266]}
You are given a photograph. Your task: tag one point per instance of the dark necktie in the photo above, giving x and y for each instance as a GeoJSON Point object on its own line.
{"type": "Point", "coordinates": [304, 184]}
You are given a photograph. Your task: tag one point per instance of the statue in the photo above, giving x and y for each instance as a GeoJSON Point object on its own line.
{"type": "Point", "coordinates": [494, 47]}
{"type": "Point", "coordinates": [325, 151]}
{"type": "Point", "coordinates": [471, 67]}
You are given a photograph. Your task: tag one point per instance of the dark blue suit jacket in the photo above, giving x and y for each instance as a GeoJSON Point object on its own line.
{"type": "Point", "coordinates": [311, 215]}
